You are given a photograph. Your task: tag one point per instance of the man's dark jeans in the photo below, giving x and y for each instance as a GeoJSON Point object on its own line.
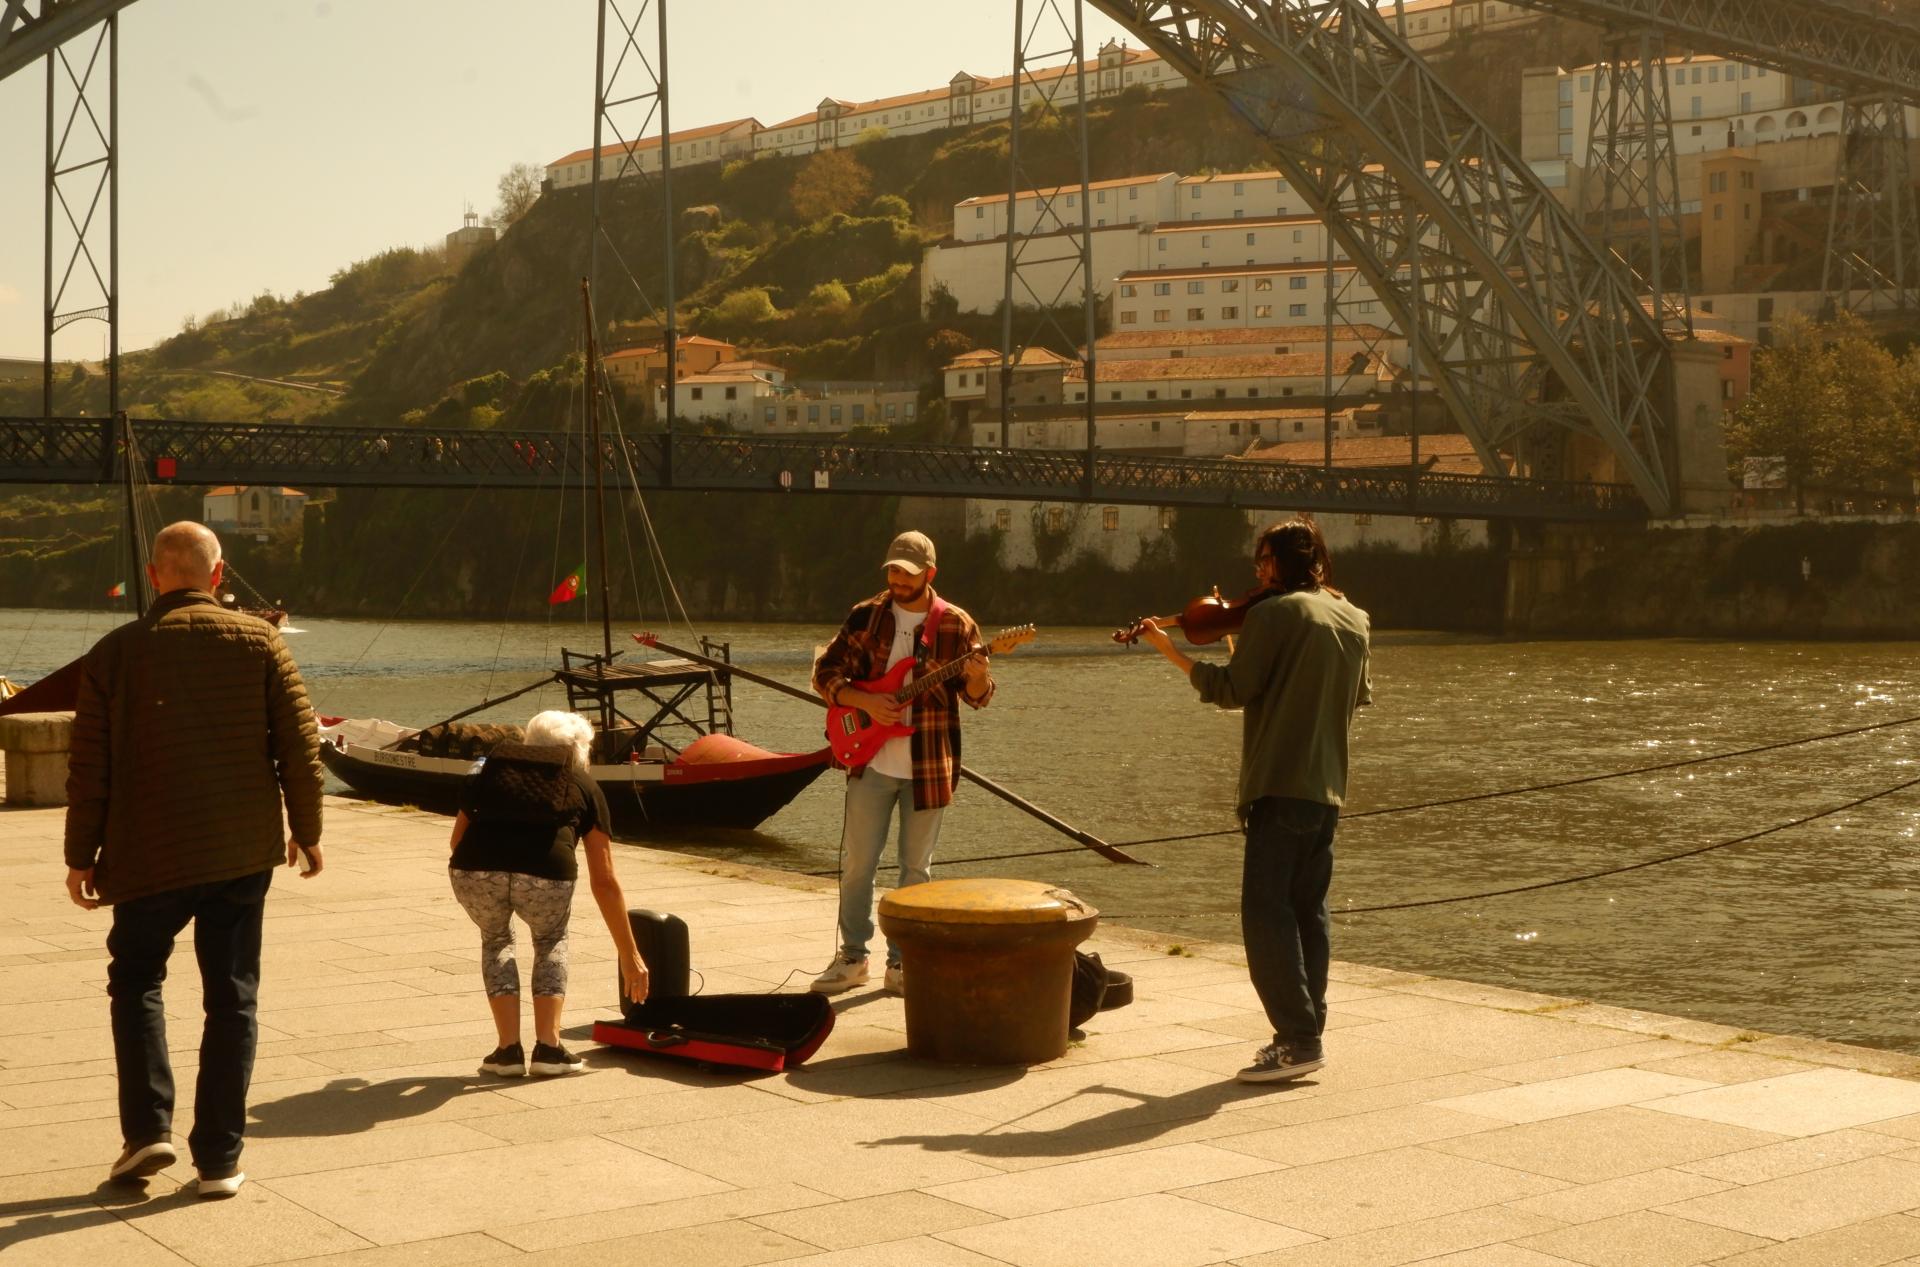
{"type": "Point", "coordinates": [226, 940]}
{"type": "Point", "coordinates": [1283, 913]}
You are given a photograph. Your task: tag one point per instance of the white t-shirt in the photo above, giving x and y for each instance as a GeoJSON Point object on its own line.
{"type": "Point", "coordinates": [895, 758]}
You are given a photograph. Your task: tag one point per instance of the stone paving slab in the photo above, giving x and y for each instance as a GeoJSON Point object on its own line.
{"type": "Point", "coordinates": [1456, 1123]}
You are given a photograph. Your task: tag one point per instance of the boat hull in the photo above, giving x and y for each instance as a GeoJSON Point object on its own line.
{"type": "Point", "coordinates": [645, 798]}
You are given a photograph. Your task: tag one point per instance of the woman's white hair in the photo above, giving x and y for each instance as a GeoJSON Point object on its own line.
{"type": "Point", "coordinates": [557, 728]}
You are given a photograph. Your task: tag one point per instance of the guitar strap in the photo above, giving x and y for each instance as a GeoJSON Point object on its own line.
{"type": "Point", "coordinates": [929, 629]}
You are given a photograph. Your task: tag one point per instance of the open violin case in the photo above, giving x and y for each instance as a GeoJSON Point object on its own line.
{"type": "Point", "coordinates": [769, 1032]}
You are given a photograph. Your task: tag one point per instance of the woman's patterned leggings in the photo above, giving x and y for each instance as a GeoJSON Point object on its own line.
{"type": "Point", "coordinates": [492, 899]}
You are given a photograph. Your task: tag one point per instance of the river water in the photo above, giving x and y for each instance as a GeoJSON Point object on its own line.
{"type": "Point", "coordinates": [1813, 930]}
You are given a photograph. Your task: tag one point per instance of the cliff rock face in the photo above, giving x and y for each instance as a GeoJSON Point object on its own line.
{"type": "Point", "coordinates": [1811, 580]}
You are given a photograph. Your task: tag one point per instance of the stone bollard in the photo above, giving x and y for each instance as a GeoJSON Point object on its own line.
{"type": "Point", "coordinates": [36, 745]}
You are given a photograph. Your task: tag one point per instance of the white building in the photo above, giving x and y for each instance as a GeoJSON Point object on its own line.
{"type": "Point", "coordinates": [714, 143]}
{"type": "Point", "coordinates": [1269, 296]}
{"type": "Point", "coordinates": [732, 399]}
{"type": "Point", "coordinates": [974, 273]}
{"type": "Point", "coordinates": [1130, 200]}
{"type": "Point", "coordinates": [1174, 345]}
{"type": "Point", "coordinates": [256, 508]}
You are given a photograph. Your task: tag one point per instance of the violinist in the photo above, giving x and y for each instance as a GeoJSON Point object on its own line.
{"type": "Point", "coordinates": [1298, 671]}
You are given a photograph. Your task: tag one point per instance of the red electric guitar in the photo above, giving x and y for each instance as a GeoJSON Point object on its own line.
{"type": "Point", "coordinates": [856, 737]}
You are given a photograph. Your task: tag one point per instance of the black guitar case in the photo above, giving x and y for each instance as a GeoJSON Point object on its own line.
{"type": "Point", "coordinates": [770, 1032]}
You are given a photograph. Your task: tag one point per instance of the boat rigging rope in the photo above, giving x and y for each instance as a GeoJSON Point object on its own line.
{"type": "Point", "coordinates": [662, 574]}
{"type": "Point", "coordinates": [418, 577]}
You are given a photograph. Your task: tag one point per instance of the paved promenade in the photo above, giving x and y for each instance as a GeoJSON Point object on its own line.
{"type": "Point", "coordinates": [1455, 1123]}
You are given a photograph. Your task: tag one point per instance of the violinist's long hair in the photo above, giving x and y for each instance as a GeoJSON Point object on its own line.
{"type": "Point", "coordinates": [1300, 557]}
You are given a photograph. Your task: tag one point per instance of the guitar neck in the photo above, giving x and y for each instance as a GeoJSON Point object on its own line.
{"type": "Point", "coordinates": [921, 685]}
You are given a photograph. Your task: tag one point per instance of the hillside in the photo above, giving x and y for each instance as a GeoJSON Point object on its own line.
{"type": "Point", "coordinates": [827, 289]}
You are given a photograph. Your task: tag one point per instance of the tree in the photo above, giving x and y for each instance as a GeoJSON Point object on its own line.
{"type": "Point", "coordinates": [519, 188]}
{"type": "Point", "coordinates": [1786, 415]}
{"type": "Point", "coordinates": [745, 307]}
{"type": "Point", "coordinates": [830, 181]}
{"type": "Point", "coordinates": [829, 297]}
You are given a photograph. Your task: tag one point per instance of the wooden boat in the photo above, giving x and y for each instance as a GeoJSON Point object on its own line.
{"type": "Point", "coordinates": [660, 764]}
{"type": "Point", "coordinates": [667, 771]}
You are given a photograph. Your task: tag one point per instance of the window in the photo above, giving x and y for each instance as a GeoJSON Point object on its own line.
{"type": "Point", "coordinates": [1186, 393]}
{"type": "Point", "coordinates": [1719, 213]}
{"type": "Point", "coordinates": [1163, 314]}
{"type": "Point", "coordinates": [793, 413]}
{"type": "Point", "coordinates": [1263, 283]}
{"type": "Point", "coordinates": [1296, 310]}
{"type": "Point", "coordinates": [893, 411]}
{"type": "Point", "coordinates": [1003, 519]}
{"type": "Point", "coordinates": [1262, 310]}
{"type": "Point", "coordinates": [1233, 428]}
{"type": "Point", "coordinates": [733, 393]}
{"type": "Point", "coordinates": [1566, 91]}
{"type": "Point", "coordinates": [1073, 199]}
{"type": "Point", "coordinates": [1249, 239]}
{"type": "Point", "coordinates": [1296, 235]}
{"type": "Point", "coordinates": [1696, 106]}
{"type": "Point", "coordinates": [1056, 519]}
{"type": "Point", "coordinates": [1127, 291]}
{"type": "Point", "coordinates": [1206, 239]}
{"type": "Point", "coordinates": [1100, 195]}
{"type": "Point", "coordinates": [1133, 193]}
{"type": "Point", "coordinates": [1195, 191]}
{"type": "Point", "coordinates": [1196, 288]}
{"type": "Point", "coordinates": [1162, 245]}
{"type": "Point", "coordinates": [859, 413]}
{"type": "Point", "coordinates": [978, 212]}
{"type": "Point", "coordinates": [1239, 214]}
{"type": "Point", "coordinates": [1128, 316]}
{"type": "Point", "coordinates": [1229, 313]}
{"type": "Point", "coordinates": [1219, 393]}
{"type": "Point", "coordinates": [1110, 518]}
{"type": "Point", "coordinates": [1163, 288]}
{"type": "Point", "coordinates": [1296, 283]}
{"type": "Point", "coordinates": [1717, 183]}
{"type": "Point", "coordinates": [1113, 395]}
{"type": "Point", "coordinates": [697, 391]}
{"type": "Point", "coordinates": [768, 414]}
{"type": "Point", "coordinates": [1586, 83]}
{"type": "Point", "coordinates": [1566, 118]}
{"type": "Point", "coordinates": [833, 413]}
{"type": "Point", "coordinates": [1229, 285]}
{"type": "Point", "coordinates": [1196, 314]}
{"type": "Point", "coordinates": [813, 413]}
{"type": "Point", "coordinates": [1253, 391]}
{"type": "Point", "coordinates": [1166, 518]}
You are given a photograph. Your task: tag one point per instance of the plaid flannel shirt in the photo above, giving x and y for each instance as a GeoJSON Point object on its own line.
{"type": "Point", "coordinates": [858, 653]}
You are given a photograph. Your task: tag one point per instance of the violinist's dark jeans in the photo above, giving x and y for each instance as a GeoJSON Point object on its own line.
{"type": "Point", "coordinates": [1283, 913]}
{"type": "Point", "coordinates": [226, 917]}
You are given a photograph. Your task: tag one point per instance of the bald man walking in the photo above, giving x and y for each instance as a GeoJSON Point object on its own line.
{"type": "Point", "coordinates": [191, 730]}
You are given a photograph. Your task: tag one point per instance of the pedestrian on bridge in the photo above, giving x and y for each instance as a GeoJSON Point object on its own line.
{"type": "Point", "coordinates": [1299, 671]}
{"type": "Point", "coordinates": [191, 730]}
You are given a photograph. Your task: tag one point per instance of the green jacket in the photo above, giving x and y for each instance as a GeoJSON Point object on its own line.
{"type": "Point", "coordinates": [1299, 671]}
{"type": "Point", "coordinates": [191, 728]}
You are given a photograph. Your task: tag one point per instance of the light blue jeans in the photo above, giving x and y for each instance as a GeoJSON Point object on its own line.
{"type": "Point", "coordinates": [873, 800]}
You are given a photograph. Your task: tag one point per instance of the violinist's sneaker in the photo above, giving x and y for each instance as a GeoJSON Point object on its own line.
{"type": "Point", "coordinates": [842, 976]}
{"type": "Point", "coordinates": [896, 979]}
{"type": "Point", "coordinates": [1279, 1063]}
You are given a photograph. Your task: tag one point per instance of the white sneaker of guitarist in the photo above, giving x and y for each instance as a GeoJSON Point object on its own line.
{"type": "Point", "coordinates": [893, 677]}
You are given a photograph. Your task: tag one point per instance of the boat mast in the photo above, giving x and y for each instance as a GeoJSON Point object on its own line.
{"type": "Point", "coordinates": [135, 545]}
{"type": "Point", "coordinates": [598, 457]}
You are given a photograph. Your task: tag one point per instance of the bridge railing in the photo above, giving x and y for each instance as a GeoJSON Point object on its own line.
{"type": "Point", "coordinates": [82, 450]}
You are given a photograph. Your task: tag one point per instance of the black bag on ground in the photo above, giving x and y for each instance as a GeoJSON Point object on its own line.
{"type": "Point", "coordinates": [1089, 988]}
{"type": "Point", "coordinates": [662, 940]}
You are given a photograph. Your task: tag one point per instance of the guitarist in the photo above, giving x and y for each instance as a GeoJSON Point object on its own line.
{"type": "Point", "coordinates": [912, 776]}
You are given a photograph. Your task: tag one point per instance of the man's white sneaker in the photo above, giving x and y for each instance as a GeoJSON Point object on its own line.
{"type": "Point", "coordinates": [896, 979]}
{"type": "Point", "coordinates": [137, 1161]}
{"type": "Point", "coordinates": [842, 976]}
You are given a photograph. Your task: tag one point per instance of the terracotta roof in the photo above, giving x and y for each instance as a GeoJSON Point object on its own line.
{"type": "Point", "coordinates": [1220, 176]}
{"type": "Point", "coordinates": [710, 379]}
{"type": "Point", "coordinates": [748, 366]}
{"type": "Point", "coordinates": [1448, 454]}
{"type": "Point", "coordinates": [1308, 336]}
{"type": "Point", "coordinates": [1029, 358]}
{"type": "Point", "coordinates": [1720, 336]}
{"type": "Point", "coordinates": [225, 490]}
{"type": "Point", "coordinates": [1200, 368]}
{"type": "Point", "coordinates": [653, 142]}
{"type": "Point", "coordinates": [986, 199]}
{"type": "Point", "coordinates": [1228, 270]}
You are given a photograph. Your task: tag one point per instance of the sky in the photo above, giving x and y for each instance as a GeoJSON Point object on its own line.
{"type": "Point", "coordinates": [266, 143]}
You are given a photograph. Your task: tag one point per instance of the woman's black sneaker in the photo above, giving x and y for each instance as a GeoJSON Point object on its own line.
{"type": "Point", "coordinates": [506, 1062]}
{"type": "Point", "coordinates": [555, 1059]}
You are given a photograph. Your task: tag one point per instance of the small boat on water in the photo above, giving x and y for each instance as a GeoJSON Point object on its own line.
{"type": "Point", "coordinates": [658, 759]}
{"type": "Point", "coordinates": [667, 771]}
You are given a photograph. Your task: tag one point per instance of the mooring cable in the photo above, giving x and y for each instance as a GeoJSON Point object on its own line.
{"type": "Point", "coordinates": [1469, 799]}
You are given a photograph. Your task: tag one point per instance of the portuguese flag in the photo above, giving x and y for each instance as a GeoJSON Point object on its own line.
{"type": "Point", "coordinates": [570, 588]}
{"type": "Point", "coordinates": [118, 591]}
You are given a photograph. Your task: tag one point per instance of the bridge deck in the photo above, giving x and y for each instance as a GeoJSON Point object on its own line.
{"type": "Point", "coordinates": [82, 451]}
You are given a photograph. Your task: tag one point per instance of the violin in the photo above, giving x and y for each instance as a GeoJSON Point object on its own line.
{"type": "Point", "coordinates": [1206, 619]}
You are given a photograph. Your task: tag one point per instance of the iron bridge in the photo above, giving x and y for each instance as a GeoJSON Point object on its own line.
{"type": "Point", "coordinates": [88, 451]}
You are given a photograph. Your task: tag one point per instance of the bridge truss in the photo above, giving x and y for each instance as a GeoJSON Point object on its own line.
{"type": "Point", "coordinates": [86, 450]}
{"type": "Point", "coordinates": [1523, 324]}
